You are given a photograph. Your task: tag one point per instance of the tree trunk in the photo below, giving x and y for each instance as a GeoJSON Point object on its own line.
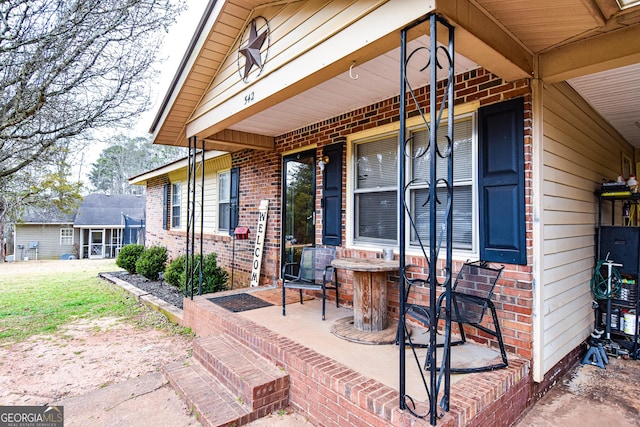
{"type": "Point", "coordinates": [3, 243]}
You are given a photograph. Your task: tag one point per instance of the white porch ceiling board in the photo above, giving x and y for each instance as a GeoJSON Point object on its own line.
{"type": "Point", "coordinates": [377, 80]}
{"type": "Point", "coordinates": [615, 94]}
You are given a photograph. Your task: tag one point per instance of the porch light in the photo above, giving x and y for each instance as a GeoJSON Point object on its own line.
{"type": "Point", "coordinates": [322, 162]}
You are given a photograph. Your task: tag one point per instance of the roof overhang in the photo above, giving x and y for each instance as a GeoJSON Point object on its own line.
{"type": "Point", "coordinates": [178, 165]}
{"type": "Point", "coordinates": [549, 40]}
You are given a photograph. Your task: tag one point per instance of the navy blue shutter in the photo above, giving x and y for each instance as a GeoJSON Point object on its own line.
{"type": "Point", "coordinates": [332, 196]}
{"type": "Point", "coordinates": [165, 206]}
{"type": "Point", "coordinates": [501, 182]}
{"type": "Point", "coordinates": [234, 200]}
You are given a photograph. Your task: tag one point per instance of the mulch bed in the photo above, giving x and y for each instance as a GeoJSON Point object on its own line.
{"type": "Point", "coordinates": [174, 296]}
{"type": "Point", "coordinates": [157, 288]}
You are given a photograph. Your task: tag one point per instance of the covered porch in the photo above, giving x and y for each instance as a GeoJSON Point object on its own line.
{"type": "Point", "coordinates": [309, 91]}
{"type": "Point", "coordinates": [336, 382]}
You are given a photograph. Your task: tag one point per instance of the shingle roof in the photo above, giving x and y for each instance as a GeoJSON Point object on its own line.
{"type": "Point", "coordinates": [101, 209]}
{"type": "Point", "coordinates": [50, 215]}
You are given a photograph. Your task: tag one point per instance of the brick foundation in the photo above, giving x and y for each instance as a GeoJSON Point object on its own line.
{"type": "Point", "coordinates": [332, 394]}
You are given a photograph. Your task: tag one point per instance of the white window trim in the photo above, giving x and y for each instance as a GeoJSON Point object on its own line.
{"type": "Point", "coordinates": [173, 226]}
{"type": "Point", "coordinates": [413, 123]}
{"type": "Point", "coordinates": [218, 201]}
{"type": "Point", "coordinates": [62, 237]}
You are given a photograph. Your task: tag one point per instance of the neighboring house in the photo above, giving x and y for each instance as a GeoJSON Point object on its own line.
{"type": "Point", "coordinates": [95, 230]}
{"type": "Point", "coordinates": [101, 223]}
{"type": "Point", "coordinates": [44, 235]}
{"type": "Point", "coordinates": [303, 98]}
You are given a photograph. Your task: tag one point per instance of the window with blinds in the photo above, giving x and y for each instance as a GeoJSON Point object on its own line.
{"type": "Point", "coordinates": [224, 197]}
{"type": "Point", "coordinates": [376, 189]}
{"type": "Point", "coordinates": [462, 184]}
{"type": "Point", "coordinates": [176, 197]}
{"type": "Point", "coordinates": [375, 186]}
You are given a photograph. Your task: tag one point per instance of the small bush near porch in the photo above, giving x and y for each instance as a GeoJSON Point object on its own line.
{"type": "Point", "coordinates": [214, 278]}
{"type": "Point", "coordinates": [152, 262]}
{"type": "Point", "coordinates": [128, 257]}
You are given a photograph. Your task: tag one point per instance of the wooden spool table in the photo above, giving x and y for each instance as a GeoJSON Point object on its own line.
{"type": "Point", "coordinates": [369, 291]}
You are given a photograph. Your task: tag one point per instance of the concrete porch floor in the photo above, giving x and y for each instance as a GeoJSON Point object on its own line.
{"type": "Point", "coordinates": [303, 323]}
{"type": "Point", "coordinates": [359, 382]}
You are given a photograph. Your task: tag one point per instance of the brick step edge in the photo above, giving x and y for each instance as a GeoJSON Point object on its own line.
{"type": "Point", "coordinates": [256, 380]}
{"type": "Point", "coordinates": [212, 404]}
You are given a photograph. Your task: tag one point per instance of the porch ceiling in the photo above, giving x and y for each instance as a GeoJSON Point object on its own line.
{"type": "Point", "coordinates": [590, 43]}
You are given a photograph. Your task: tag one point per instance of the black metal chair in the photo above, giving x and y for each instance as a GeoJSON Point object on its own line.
{"type": "Point", "coordinates": [314, 272]}
{"type": "Point", "coordinates": [471, 296]}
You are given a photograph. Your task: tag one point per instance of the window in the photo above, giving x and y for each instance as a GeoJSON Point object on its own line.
{"type": "Point", "coordinates": [376, 189]}
{"type": "Point", "coordinates": [176, 196]}
{"type": "Point", "coordinates": [224, 197]}
{"type": "Point", "coordinates": [66, 236]}
{"type": "Point", "coordinates": [463, 200]}
{"type": "Point", "coordinates": [375, 186]}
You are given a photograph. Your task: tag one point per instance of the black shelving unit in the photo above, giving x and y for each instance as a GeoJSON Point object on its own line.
{"type": "Point", "coordinates": [620, 244]}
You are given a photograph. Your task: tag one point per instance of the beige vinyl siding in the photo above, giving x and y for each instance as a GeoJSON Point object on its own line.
{"type": "Point", "coordinates": [48, 238]}
{"type": "Point", "coordinates": [294, 29]}
{"type": "Point", "coordinates": [580, 149]}
{"type": "Point", "coordinates": [210, 204]}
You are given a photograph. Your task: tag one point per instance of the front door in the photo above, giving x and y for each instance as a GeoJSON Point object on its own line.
{"type": "Point", "coordinates": [96, 243]}
{"type": "Point", "coordinates": [298, 213]}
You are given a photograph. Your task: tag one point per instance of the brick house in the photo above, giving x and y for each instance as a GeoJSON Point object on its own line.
{"type": "Point", "coordinates": [310, 121]}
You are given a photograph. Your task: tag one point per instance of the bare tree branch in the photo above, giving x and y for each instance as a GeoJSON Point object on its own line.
{"type": "Point", "coordinates": [68, 67]}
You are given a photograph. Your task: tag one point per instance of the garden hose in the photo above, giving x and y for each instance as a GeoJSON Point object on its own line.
{"type": "Point", "coordinates": [600, 281]}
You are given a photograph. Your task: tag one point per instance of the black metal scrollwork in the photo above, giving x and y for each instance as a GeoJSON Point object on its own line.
{"type": "Point", "coordinates": [440, 192]}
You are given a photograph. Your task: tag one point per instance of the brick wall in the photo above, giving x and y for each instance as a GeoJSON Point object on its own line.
{"type": "Point", "coordinates": [514, 293]}
{"type": "Point", "coordinates": [260, 178]}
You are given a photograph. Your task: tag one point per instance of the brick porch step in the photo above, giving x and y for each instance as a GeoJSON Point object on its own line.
{"type": "Point", "coordinates": [226, 383]}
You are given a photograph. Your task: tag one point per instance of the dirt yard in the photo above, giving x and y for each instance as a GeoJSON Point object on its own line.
{"type": "Point", "coordinates": [589, 396]}
{"type": "Point", "coordinates": [87, 354]}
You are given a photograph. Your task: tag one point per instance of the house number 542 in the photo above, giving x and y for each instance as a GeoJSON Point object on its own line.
{"type": "Point", "coordinates": [248, 98]}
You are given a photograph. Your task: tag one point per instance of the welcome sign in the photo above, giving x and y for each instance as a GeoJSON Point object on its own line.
{"type": "Point", "coordinates": [260, 234]}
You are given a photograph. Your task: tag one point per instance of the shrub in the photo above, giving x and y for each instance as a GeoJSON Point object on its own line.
{"type": "Point", "coordinates": [152, 262]}
{"type": "Point", "coordinates": [128, 257]}
{"type": "Point", "coordinates": [174, 273]}
{"type": "Point", "coordinates": [214, 278]}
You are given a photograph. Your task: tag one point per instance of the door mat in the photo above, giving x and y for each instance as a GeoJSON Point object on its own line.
{"type": "Point", "coordinates": [239, 302]}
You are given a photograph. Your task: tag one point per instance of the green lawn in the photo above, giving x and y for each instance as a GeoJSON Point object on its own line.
{"type": "Point", "coordinates": [35, 302]}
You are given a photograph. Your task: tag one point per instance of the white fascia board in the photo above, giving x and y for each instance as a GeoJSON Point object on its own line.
{"type": "Point", "coordinates": [193, 51]}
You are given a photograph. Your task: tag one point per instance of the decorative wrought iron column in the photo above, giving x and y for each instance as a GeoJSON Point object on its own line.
{"type": "Point", "coordinates": [195, 218]}
{"type": "Point", "coordinates": [437, 60]}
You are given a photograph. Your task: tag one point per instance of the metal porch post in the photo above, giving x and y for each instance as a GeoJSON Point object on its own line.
{"type": "Point", "coordinates": [440, 190]}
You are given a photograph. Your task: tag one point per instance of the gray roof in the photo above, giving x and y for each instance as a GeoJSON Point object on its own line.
{"type": "Point", "coordinates": [50, 215]}
{"type": "Point", "coordinates": [101, 209]}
